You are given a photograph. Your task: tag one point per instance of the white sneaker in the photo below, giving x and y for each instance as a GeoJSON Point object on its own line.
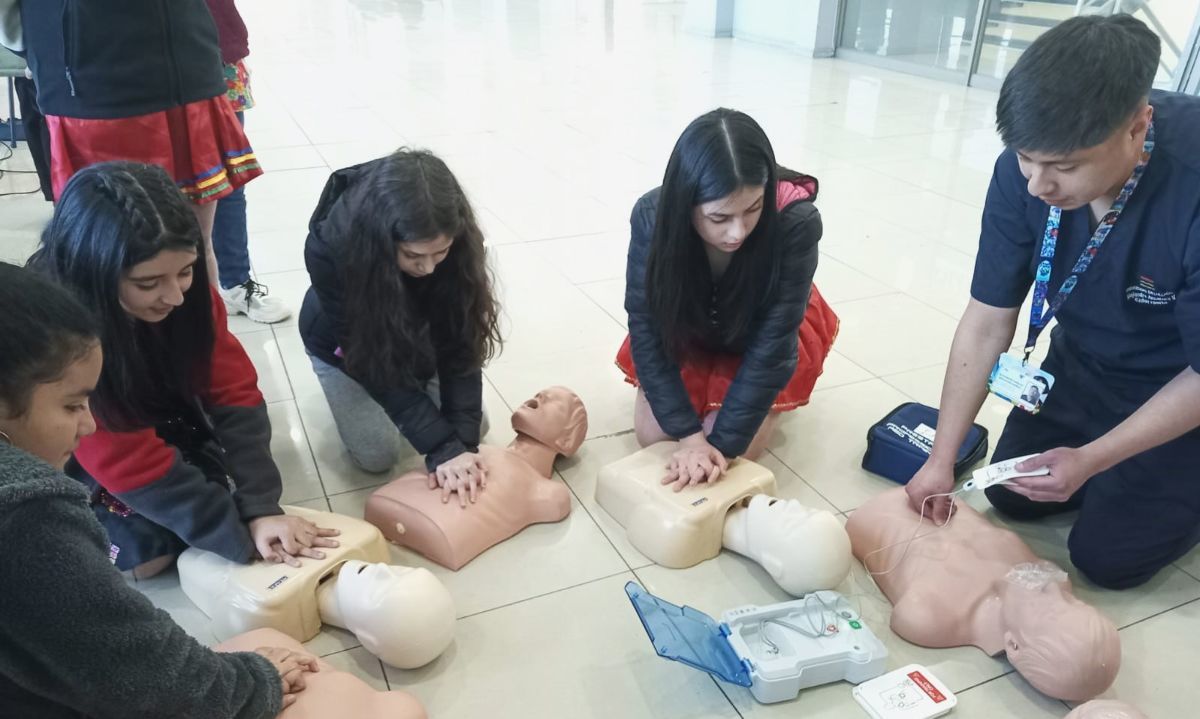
{"type": "Point", "coordinates": [251, 299]}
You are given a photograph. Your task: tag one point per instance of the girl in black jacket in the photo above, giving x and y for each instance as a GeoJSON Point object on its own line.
{"type": "Point", "coordinates": [401, 316]}
{"type": "Point", "coordinates": [725, 327]}
{"type": "Point", "coordinates": [75, 639]}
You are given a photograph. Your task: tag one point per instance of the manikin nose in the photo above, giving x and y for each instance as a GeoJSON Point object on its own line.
{"type": "Point", "coordinates": [532, 404]}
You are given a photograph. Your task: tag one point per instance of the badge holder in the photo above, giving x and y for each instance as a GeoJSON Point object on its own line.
{"type": "Point", "coordinates": [1016, 381]}
{"type": "Point", "coordinates": [775, 651]}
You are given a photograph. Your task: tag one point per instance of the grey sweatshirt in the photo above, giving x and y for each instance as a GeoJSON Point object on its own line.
{"type": "Point", "coordinates": [77, 641]}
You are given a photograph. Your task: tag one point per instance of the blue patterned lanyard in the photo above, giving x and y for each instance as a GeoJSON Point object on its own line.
{"type": "Point", "coordinates": [1039, 314]}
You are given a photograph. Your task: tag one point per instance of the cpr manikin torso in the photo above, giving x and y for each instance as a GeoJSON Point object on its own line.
{"type": "Point", "coordinates": [971, 582]}
{"type": "Point", "coordinates": [329, 692]}
{"type": "Point", "coordinates": [519, 492]}
{"type": "Point", "coordinates": [802, 548]}
{"type": "Point", "coordinates": [402, 615]}
{"type": "Point", "coordinates": [1105, 709]}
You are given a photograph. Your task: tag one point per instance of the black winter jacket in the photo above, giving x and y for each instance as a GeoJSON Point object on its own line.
{"type": "Point", "coordinates": [439, 434]}
{"type": "Point", "coordinates": [121, 58]}
{"type": "Point", "coordinates": [770, 354]}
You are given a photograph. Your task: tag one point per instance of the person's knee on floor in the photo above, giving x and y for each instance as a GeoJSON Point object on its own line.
{"type": "Point", "coordinates": [1105, 566]}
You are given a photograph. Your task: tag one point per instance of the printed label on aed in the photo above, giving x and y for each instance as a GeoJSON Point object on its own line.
{"type": "Point", "coordinates": [926, 686]}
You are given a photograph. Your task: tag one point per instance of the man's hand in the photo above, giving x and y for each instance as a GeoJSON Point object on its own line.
{"type": "Point", "coordinates": [283, 538]}
{"type": "Point", "coordinates": [694, 462]}
{"type": "Point", "coordinates": [932, 479]}
{"type": "Point", "coordinates": [1069, 469]}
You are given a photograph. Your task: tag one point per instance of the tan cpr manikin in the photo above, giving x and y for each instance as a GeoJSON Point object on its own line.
{"type": "Point", "coordinates": [519, 492]}
{"type": "Point", "coordinates": [973, 583]}
{"type": "Point", "coordinates": [1105, 709]}
{"type": "Point", "coordinates": [329, 692]}
{"type": "Point", "coordinates": [401, 614]}
{"type": "Point", "coordinates": [803, 549]}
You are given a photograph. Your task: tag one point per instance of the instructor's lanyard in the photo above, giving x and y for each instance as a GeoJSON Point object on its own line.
{"type": "Point", "coordinates": [1039, 314]}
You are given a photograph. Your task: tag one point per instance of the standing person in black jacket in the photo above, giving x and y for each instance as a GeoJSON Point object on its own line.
{"type": "Point", "coordinates": [726, 329]}
{"type": "Point", "coordinates": [75, 639]}
{"type": "Point", "coordinates": [401, 316]}
{"type": "Point", "coordinates": [138, 80]}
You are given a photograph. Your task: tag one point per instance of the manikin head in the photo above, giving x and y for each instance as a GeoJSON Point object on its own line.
{"type": "Point", "coordinates": [402, 615]}
{"type": "Point", "coordinates": [555, 417]}
{"type": "Point", "coordinates": [1065, 648]}
{"type": "Point", "coordinates": [803, 549]}
{"type": "Point", "coordinates": [1105, 709]}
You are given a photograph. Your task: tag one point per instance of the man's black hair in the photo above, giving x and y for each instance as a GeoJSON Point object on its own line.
{"type": "Point", "coordinates": [1075, 85]}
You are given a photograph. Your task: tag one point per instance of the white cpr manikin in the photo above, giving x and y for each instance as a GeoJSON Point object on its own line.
{"type": "Point", "coordinates": [803, 549]}
{"type": "Point", "coordinates": [402, 615]}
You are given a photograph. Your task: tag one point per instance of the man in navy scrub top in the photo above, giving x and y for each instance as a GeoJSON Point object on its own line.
{"type": "Point", "coordinates": [1095, 205]}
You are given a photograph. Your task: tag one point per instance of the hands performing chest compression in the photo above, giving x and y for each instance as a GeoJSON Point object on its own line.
{"type": "Point", "coordinates": [284, 538]}
{"type": "Point", "coordinates": [464, 474]}
{"type": "Point", "coordinates": [695, 461]}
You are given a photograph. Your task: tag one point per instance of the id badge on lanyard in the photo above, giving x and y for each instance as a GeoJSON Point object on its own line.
{"type": "Point", "coordinates": [1014, 379]}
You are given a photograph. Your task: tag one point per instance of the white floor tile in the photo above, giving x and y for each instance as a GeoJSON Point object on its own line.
{"type": "Point", "coordinates": [582, 652]}
{"type": "Point", "coordinates": [893, 333]}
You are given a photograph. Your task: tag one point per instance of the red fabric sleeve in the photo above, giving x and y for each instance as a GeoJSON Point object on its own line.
{"type": "Point", "coordinates": [233, 382]}
{"type": "Point", "coordinates": [125, 461]}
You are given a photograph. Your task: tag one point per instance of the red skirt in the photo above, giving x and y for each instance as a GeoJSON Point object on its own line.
{"type": "Point", "coordinates": [707, 376]}
{"type": "Point", "coordinates": [201, 145]}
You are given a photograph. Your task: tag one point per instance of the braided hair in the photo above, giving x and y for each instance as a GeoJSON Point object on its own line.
{"type": "Point", "coordinates": [109, 218]}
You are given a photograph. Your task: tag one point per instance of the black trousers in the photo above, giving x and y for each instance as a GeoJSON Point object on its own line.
{"type": "Point", "coordinates": [1135, 518]}
{"type": "Point", "coordinates": [37, 134]}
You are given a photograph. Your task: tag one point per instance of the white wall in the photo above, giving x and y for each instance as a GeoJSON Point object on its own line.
{"type": "Point", "coordinates": [808, 26]}
{"type": "Point", "coordinates": [711, 18]}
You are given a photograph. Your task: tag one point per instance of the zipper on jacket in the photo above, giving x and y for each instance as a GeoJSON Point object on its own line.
{"type": "Point", "coordinates": [169, 47]}
{"type": "Point", "coordinates": [69, 40]}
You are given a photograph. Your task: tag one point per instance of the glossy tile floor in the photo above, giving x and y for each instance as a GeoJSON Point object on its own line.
{"type": "Point", "coordinates": [556, 116]}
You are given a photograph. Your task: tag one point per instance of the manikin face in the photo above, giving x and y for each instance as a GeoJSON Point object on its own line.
{"type": "Point", "coordinates": [421, 258]}
{"type": "Point", "coordinates": [1062, 646]}
{"type": "Point", "coordinates": [1074, 180]}
{"type": "Point", "coordinates": [803, 549]}
{"type": "Point", "coordinates": [150, 290]}
{"type": "Point", "coordinates": [402, 615]}
{"type": "Point", "coordinates": [58, 415]}
{"type": "Point", "coordinates": [725, 224]}
{"type": "Point", "coordinates": [553, 416]}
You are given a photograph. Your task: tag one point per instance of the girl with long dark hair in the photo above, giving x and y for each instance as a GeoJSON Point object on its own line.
{"type": "Point", "coordinates": [182, 457]}
{"type": "Point", "coordinates": [401, 316]}
{"type": "Point", "coordinates": [78, 640]}
{"type": "Point", "coordinates": [726, 329]}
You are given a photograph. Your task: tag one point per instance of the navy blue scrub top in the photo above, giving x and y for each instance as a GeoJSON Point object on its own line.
{"type": "Point", "coordinates": [1136, 312]}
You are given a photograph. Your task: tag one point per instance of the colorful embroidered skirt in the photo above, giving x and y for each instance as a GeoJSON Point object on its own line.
{"type": "Point", "coordinates": [708, 376]}
{"type": "Point", "coordinates": [201, 145]}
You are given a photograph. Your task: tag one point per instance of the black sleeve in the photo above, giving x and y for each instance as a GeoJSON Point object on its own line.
{"type": "Point", "coordinates": [657, 373]}
{"type": "Point", "coordinates": [202, 512]}
{"type": "Point", "coordinates": [1003, 265]}
{"type": "Point", "coordinates": [245, 435]}
{"type": "Point", "coordinates": [770, 358]}
{"type": "Point", "coordinates": [462, 404]}
{"type": "Point", "coordinates": [73, 631]}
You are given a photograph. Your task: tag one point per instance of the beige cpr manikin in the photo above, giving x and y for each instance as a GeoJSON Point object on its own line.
{"type": "Point", "coordinates": [803, 549]}
{"type": "Point", "coordinates": [519, 491]}
{"type": "Point", "coordinates": [329, 692]}
{"type": "Point", "coordinates": [401, 614]}
{"type": "Point", "coordinates": [1105, 709]}
{"type": "Point", "coordinates": [973, 583]}
{"type": "Point", "coordinates": [675, 529]}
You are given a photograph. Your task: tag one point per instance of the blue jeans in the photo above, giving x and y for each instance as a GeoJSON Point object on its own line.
{"type": "Point", "coordinates": [231, 240]}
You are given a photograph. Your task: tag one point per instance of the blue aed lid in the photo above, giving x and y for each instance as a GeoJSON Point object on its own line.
{"type": "Point", "coordinates": [683, 634]}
